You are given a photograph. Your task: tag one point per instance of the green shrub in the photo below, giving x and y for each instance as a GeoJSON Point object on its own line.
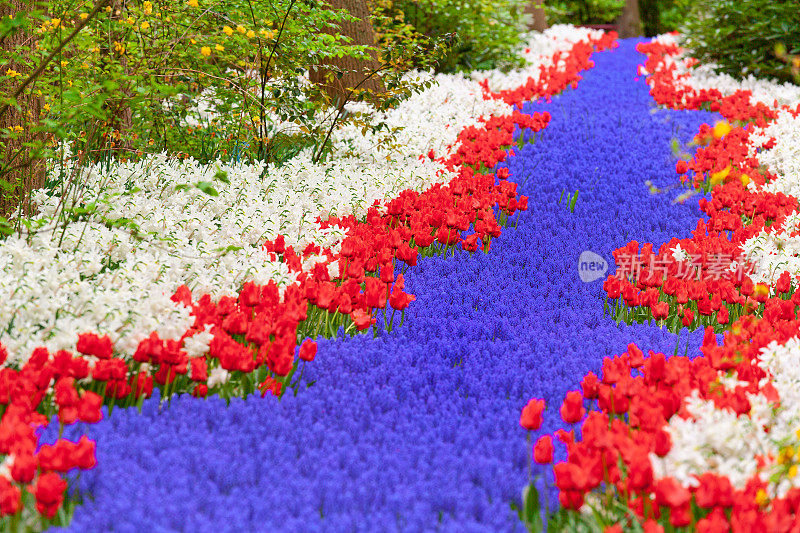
{"type": "Point", "coordinates": [482, 34]}
{"type": "Point", "coordinates": [672, 15]}
{"type": "Point", "coordinates": [583, 11]}
{"type": "Point", "coordinates": [741, 37]}
{"type": "Point", "coordinates": [120, 84]}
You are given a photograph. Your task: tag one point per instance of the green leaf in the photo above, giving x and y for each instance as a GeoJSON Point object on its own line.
{"type": "Point", "coordinates": [572, 203]}
{"type": "Point", "coordinates": [207, 188]}
{"type": "Point", "coordinates": [222, 176]}
{"type": "Point", "coordinates": [231, 248]}
{"type": "Point", "coordinates": [531, 508]}
{"type": "Point", "coordinates": [110, 85]}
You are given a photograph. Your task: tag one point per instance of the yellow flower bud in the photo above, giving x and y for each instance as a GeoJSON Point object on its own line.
{"type": "Point", "coordinates": [719, 177]}
{"type": "Point", "coordinates": [721, 129]}
{"type": "Point", "coordinates": [761, 290]}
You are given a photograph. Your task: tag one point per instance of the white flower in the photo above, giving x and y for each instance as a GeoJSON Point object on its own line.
{"type": "Point", "coordinates": [679, 254]}
{"type": "Point", "coordinates": [217, 376]}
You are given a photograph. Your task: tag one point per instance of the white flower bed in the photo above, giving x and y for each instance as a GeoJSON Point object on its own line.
{"type": "Point", "coordinates": [774, 252]}
{"type": "Point", "coordinates": [105, 280]}
{"type": "Point", "coordinates": [713, 440]}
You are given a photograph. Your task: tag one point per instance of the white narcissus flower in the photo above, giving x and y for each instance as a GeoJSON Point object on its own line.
{"type": "Point", "coordinates": [197, 344]}
{"type": "Point", "coordinates": [217, 376]}
{"type": "Point", "coordinates": [679, 254]}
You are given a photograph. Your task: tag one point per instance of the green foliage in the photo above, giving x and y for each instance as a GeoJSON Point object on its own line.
{"type": "Point", "coordinates": [480, 34]}
{"type": "Point", "coordinates": [741, 37]}
{"type": "Point", "coordinates": [673, 14]}
{"type": "Point", "coordinates": [207, 79]}
{"type": "Point", "coordinates": [583, 11]}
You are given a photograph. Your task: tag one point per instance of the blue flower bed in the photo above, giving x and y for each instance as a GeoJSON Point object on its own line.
{"type": "Point", "coordinates": [418, 429]}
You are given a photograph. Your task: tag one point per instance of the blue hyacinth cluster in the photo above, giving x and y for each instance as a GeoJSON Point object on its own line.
{"type": "Point", "coordinates": [418, 429]}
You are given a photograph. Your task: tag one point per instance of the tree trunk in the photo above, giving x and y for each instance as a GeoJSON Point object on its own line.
{"type": "Point", "coordinates": [630, 25]}
{"type": "Point", "coordinates": [21, 168]}
{"type": "Point", "coordinates": [535, 8]}
{"type": "Point", "coordinates": [354, 73]}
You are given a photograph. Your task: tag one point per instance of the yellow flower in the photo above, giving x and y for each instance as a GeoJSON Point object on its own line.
{"type": "Point", "coordinates": [761, 290]}
{"type": "Point", "coordinates": [193, 3]}
{"type": "Point", "coordinates": [84, 16]}
{"type": "Point", "coordinates": [144, 25]}
{"type": "Point", "coordinates": [227, 30]}
{"type": "Point", "coordinates": [719, 177]}
{"type": "Point", "coordinates": [55, 22]}
{"type": "Point", "coordinates": [267, 33]}
{"type": "Point", "coordinates": [108, 9]}
{"type": "Point", "coordinates": [250, 34]}
{"type": "Point", "coordinates": [11, 73]}
{"type": "Point", "coordinates": [130, 20]}
{"type": "Point", "coordinates": [46, 107]}
{"type": "Point", "coordinates": [84, 65]}
{"type": "Point", "coordinates": [205, 50]}
{"type": "Point", "coordinates": [241, 29]}
{"type": "Point", "coordinates": [192, 41]}
{"type": "Point", "coordinates": [761, 497]}
{"type": "Point", "coordinates": [721, 129]}
{"type": "Point", "coordinates": [745, 179]}
{"type": "Point", "coordinates": [64, 63]}
{"type": "Point", "coordinates": [792, 471]}
{"type": "Point", "coordinates": [147, 7]}
{"type": "Point", "coordinates": [219, 47]}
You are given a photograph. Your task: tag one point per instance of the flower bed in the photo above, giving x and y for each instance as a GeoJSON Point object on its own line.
{"type": "Point", "coordinates": [707, 443]}
{"type": "Point", "coordinates": [417, 429]}
{"type": "Point", "coordinates": [99, 286]}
